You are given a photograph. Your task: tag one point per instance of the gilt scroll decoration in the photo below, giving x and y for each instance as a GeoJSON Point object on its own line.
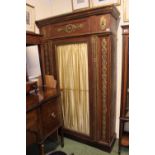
{"type": "Point", "coordinates": [104, 85]}
{"type": "Point", "coordinates": [70, 28]}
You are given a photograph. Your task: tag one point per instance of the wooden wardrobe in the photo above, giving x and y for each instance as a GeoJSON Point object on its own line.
{"type": "Point", "coordinates": [124, 112]}
{"type": "Point", "coordinates": [97, 28]}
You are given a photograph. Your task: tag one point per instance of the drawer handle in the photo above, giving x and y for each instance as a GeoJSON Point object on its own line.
{"type": "Point", "coordinates": [52, 115]}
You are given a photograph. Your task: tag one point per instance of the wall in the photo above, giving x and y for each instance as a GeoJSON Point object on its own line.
{"type": "Point", "coordinates": [43, 9]}
{"type": "Point", "coordinates": [46, 8]}
{"type": "Point", "coordinates": [119, 65]}
{"type": "Point", "coordinates": [61, 7]}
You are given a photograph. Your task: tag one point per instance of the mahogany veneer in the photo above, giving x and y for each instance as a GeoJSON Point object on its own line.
{"type": "Point", "coordinates": [33, 39]}
{"type": "Point", "coordinates": [124, 112]}
{"type": "Point", "coordinates": [97, 27]}
{"type": "Point", "coordinates": [43, 111]}
{"type": "Point", "coordinates": [43, 114]}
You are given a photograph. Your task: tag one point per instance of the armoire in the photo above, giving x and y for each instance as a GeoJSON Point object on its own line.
{"type": "Point", "coordinates": [82, 44]}
{"type": "Point", "coordinates": [124, 112]}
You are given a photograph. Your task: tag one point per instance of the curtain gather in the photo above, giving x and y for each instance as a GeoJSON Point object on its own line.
{"type": "Point", "coordinates": [72, 63]}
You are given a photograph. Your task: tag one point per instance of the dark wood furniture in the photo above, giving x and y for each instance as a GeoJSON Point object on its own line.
{"type": "Point", "coordinates": [31, 86]}
{"type": "Point", "coordinates": [43, 109]}
{"type": "Point", "coordinates": [124, 113]}
{"type": "Point", "coordinates": [33, 39]}
{"type": "Point", "coordinates": [43, 115]}
{"type": "Point", "coordinates": [97, 27]}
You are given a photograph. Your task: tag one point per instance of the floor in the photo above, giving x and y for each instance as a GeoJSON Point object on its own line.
{"type": "Point", "coordinates": [83, 149]}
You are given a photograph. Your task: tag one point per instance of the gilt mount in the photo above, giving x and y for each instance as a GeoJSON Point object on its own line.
{"type": "Point", "coordinates": [104, 85]}
{"type": "Point", "coordinates": [103, 23]}
{"type": "Point", "coordinates": [70, 28]}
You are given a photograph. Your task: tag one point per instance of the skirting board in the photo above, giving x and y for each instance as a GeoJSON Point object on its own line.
{"type": "Point", "coordinates": [86, 140]}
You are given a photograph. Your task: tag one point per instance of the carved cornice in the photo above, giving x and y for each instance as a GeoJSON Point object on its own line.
{"type": "Point", "coordinates": [104, 85]}
{"type": "Point", "coordinates": [111, 9]}
{"type": "Point", "coordinates": [70, 28]}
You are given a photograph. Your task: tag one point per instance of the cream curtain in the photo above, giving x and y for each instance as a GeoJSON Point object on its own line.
{"type": "Point", "coordinates": [72, 63]}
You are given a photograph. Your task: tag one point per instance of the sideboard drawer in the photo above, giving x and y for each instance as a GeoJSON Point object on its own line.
{"type": "Point", "coordinates": [32, 120]}
{"type": "Point", "coordinates": [50, 116]}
